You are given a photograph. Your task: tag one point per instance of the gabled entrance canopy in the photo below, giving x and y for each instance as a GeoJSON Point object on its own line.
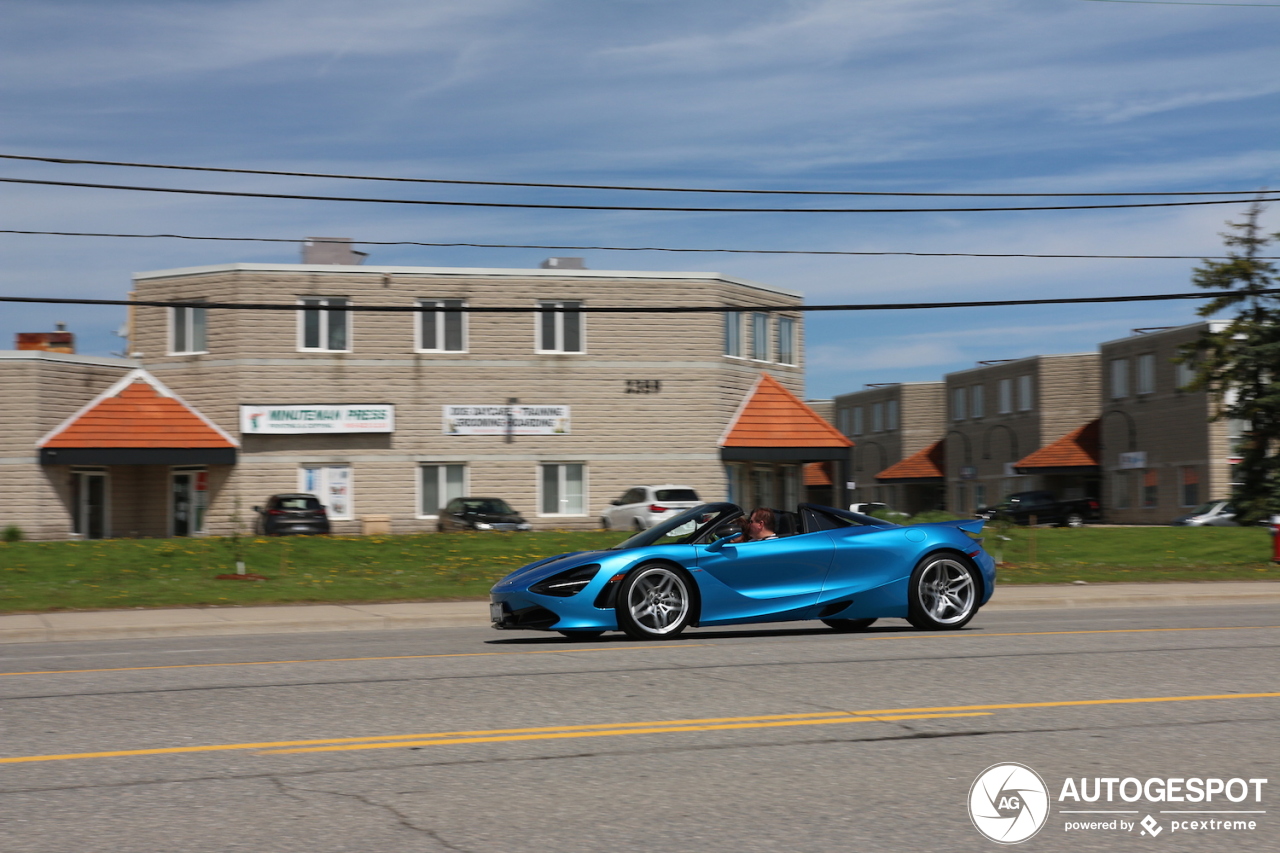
{"type": "Point", "coordinates": [1074, 453]}
{"type": "Point", "coordinates": [774, 425]}
{"type": "Point", "coordinates": [137, 421]}
{"type": "Point", "coordinates": [927, 465]}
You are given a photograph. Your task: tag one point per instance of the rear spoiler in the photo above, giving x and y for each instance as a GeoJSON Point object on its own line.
{"type": "Point", "coordinates": [968, 525]}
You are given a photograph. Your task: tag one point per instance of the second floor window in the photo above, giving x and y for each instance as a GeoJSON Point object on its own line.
{"type": "Point", "coordinates": [786, 340]}
{"type": "Point", "coordinates": [977, 401]}
{"type": "Point", "coordinates": [443, 329]}
{"type": "Point", "coordinates": [325, 330]}
{"type": "Point", "coordinates": [733, 333]}
{"type": "Point", "coordinates": [877, 417]}
{"type": "Point", "coordinates": [188, 330]}
{"type": "Point", "coordinates": [1026, 402]}
{"type": "Point", "coordinates": [1006, 396]}
{"type": "Point", "coordinates": [892, 414]}
{"type": "Point", "coordinates": [560, 329]}
{"type": "Point", "coordinates": [760, 337]}
{"type": "Point", "coordinates": [957, 405]}
{"type": "Point", "coordinates": [1146, 373]}
{"type": "Point", "coordinates": [1119, 378]}
{"type": "Point", "coordinates": [857, 420]}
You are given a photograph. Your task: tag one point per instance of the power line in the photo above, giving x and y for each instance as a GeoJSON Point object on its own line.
{"type": "Point", "coordinates": [628, 248]}
{"type": "Point", "coordinates": [587, 309]}
{"type": "Point", "coordinates": [67, 160]}
{"type": "Point", "coordinates": [1181, 3]}
{"type": "Point", "coordinates": [531, 206]}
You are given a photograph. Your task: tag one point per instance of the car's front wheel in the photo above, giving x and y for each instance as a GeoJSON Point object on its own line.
{"type": "Point", "coordinates": [655, 602]}
{"type": "Point", "coordinates": [845, 626]}
{"type": "Point", "coordinates": [943, 593]}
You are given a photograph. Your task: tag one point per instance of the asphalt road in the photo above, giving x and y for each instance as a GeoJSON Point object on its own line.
{"type": "Point", "coordinates": [788, 738]}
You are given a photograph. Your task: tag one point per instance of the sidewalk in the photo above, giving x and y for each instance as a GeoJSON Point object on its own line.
{"type": "Point", "coordinates": [223, 621]}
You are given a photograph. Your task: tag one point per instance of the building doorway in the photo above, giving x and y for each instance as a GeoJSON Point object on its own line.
{"type": "Point", "coordinates": [188, 489]}
{"type": "Point", "coordinates": [89, 504]}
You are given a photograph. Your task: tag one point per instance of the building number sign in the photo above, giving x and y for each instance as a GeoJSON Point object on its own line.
{"type": "Point", "coordinates": [644, 386]}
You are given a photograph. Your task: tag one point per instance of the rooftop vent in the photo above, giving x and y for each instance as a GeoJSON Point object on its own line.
{"type": "Point", "coordinates": [563, 264]}
{"type": "Point", "coordinates": [331, 250]}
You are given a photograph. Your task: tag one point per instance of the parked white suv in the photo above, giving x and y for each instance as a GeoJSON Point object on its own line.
{"type": "Point", "coordinates": [642, 507]}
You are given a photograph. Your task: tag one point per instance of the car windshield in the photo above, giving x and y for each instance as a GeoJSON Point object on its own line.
{"type": "Point", "coordinates": [675, 495]}
{"type": "Point", "coordinates": [300, 502]}
{"type": "Point", "coordinates": [488, 506]}
{"type": "Point", "coordinates": [1205, 509]}
{"type": "Point", "coordinates": [685, 528]}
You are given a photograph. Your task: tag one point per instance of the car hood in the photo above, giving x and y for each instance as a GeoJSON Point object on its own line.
{"type": "Point", "coordinates": [493, 517]}
{"type": "Point", "coordinates": [547, 567]}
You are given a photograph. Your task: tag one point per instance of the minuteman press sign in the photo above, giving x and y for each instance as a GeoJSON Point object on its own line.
{"type": "Point", "coordinates": [302, 420]}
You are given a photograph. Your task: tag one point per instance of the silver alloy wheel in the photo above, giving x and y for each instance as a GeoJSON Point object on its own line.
{"type": "Point", "coordinates": [947, 591]}
{"type": "Point", "coordinates": [658, 600]}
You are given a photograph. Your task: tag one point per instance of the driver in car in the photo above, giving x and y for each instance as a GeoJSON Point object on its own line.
{"type": "Point", "coordinates": [761, 524]}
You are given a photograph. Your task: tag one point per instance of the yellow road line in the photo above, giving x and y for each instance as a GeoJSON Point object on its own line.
{"type": "Point", "coordinates": [651, 726]}
{"type": "Point", "coordinates": [923, 635]}
{"type": "Point", "coordinates": [354, 660]}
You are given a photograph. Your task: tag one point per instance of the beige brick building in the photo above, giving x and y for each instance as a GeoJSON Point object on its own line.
{"type": "Point", "coordinates": [889, 423]}
{"type": "Point", "coordinates": [1161, 455]}
{"type": "Point", "coordinates": [616, 399]}
{"type": "Point", "coordinates": [1000, 412]}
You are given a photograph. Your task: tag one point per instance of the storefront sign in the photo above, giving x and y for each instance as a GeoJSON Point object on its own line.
{"type": "Point", "coordinates": [1133, 459]}
{"type": "Point", "coordinates": [302, 420]}
{"type": "Point", "coordinates": [504, 420]}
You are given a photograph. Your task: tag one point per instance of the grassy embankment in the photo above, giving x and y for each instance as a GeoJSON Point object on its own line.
{"type": "Point", "coordinates": [121, 573]}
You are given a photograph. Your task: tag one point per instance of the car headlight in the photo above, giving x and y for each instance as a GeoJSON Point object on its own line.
{"type": "Point", "coordinates": [566, 583]}
{"type": "Point", "coordinates": [480, 525]}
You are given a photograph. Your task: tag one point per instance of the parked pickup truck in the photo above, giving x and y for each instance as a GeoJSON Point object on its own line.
{"type": "Point", "coordinates": [1021, 507]}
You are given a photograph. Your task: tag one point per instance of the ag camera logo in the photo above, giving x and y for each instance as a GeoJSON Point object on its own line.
{"type": "Point", "coordinates": [1009, 803]}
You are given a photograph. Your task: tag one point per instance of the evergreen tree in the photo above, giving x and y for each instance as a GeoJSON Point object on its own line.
{"type": "Point", "coordinates": [1237, 362]}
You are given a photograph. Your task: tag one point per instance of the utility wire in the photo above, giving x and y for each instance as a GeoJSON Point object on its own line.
{"type": "Point", "coordinates": [628, 248]}
{"type": "Point", "coordinates": [66, 160]}
{"type": "Point", "coordinates": [1176, 3]}
{"type": "Point", "coordinates": [585, 309]}
{"type": "Point", "coordinates": [530, 206]}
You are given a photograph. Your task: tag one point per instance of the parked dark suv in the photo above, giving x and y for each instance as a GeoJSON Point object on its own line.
{"type": "Point", "coordinates": [292, 513]}
{"type": "Point", "coordinates": [480, 514]}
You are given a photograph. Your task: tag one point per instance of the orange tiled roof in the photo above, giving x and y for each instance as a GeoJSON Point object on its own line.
{"type": "Point", "coordinates": [138, 415]}
{"type": "Point", "coordinates": [923, 464]}
{"type": "Point", "coordinates": [818, 474]}
{"type": "Point", "coordinates": [774, 417]}
{"type": "Point", "coordinates": [1076, 449]}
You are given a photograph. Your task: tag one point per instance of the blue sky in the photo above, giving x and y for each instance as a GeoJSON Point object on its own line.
{"type": "Point", "coordinates": [897, 95]}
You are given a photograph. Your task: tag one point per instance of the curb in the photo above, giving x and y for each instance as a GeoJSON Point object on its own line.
{"type": "Point", "coordinates": [314, 618]}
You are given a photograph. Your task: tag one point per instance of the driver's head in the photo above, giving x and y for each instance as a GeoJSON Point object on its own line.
{"type": "Point", "coordinates": [762, 522]}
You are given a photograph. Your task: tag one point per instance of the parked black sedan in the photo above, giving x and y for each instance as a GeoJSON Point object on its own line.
{"type": "Point", "coordinates": [480, 514]}
{"type": "Point", "coordinates": [292, 513]}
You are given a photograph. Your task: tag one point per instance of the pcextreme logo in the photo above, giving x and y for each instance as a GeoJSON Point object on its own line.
{"type": "Point", "coordinates": [1008, 803]}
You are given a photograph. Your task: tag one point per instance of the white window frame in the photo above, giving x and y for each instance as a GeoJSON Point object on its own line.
{"type": "Point", "coordinates": [442, 484]}
{"type": "Point", "coordinates": [977, 401]}
{"type": "Point", "coordinates": [1006, 396]}
{"type": "Point", "coordinates": [759, 336]}
{"type": "Point", "coordinates": [323, 492]}
{"type": "Point", "coordinates": [1146, 374]}
{"type": "Point", "coordinates": [184, 318]}
{"type": "Point", "coordinates": [733, 334]}
{"type": "Point", "coordinates": [786, 341]}
{"type": "Point", "coordinates": [325, 325]}
{"type": "Point", "coordinates": [1119, 378]}
{"type": "Point", "coordinates": [438, 314]}
{"type": "Point", "coordinates": [199, 499]}
{"type": "Point", "coordinates": [1026, 393]}
{"type": "Point", "coordinates": [560, 484]}
{"type": "Point", "coordinates": [1186, 374]}
{"type": "Point", "coordinates": [562, 307]}
{"type": "Point", "coordinates": [79, 520]}
{"type": "Point", "coordinates": [958, 408]}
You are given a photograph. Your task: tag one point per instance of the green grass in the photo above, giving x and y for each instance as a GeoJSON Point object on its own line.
{"type": "Point", "coordinates": [1131, 554]}
{"type": "Point", "coordinates": [123, 573]}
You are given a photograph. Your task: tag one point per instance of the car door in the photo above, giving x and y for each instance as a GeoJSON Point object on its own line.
{"type": "Point", "coordinates": [757, 581]}
{"type": "Point", "coordinates": [624, 515]}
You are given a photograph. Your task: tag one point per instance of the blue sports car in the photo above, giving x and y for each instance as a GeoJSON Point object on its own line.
{"type": "Point", "coordinates": [842, 568]}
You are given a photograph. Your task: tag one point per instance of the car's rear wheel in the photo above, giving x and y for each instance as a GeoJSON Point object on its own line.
{"type": "Point", "coordinates": [845, 626]}
{"type": "Point", "coordinates": [943, 593]}
{"type": "Point", "coordinates": [639, 525]}
{"type": "Point", "coordinates": [655, 602]}
{"type": "Point", "coordinates": [604, 523]}
{"type": "Point", "coordinates": [1073, 519]}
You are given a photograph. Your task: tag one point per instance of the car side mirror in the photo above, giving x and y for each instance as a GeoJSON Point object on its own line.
{"type": "Point", "coordinates": [615, 503]}
{"type": "Point", "coordinates": [257, 509]}
{"type": "Point", "coordinates": [720, 543]}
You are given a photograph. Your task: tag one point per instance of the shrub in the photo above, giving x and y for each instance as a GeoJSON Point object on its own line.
{"type": "Point", "coordinates": [12, 533]}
